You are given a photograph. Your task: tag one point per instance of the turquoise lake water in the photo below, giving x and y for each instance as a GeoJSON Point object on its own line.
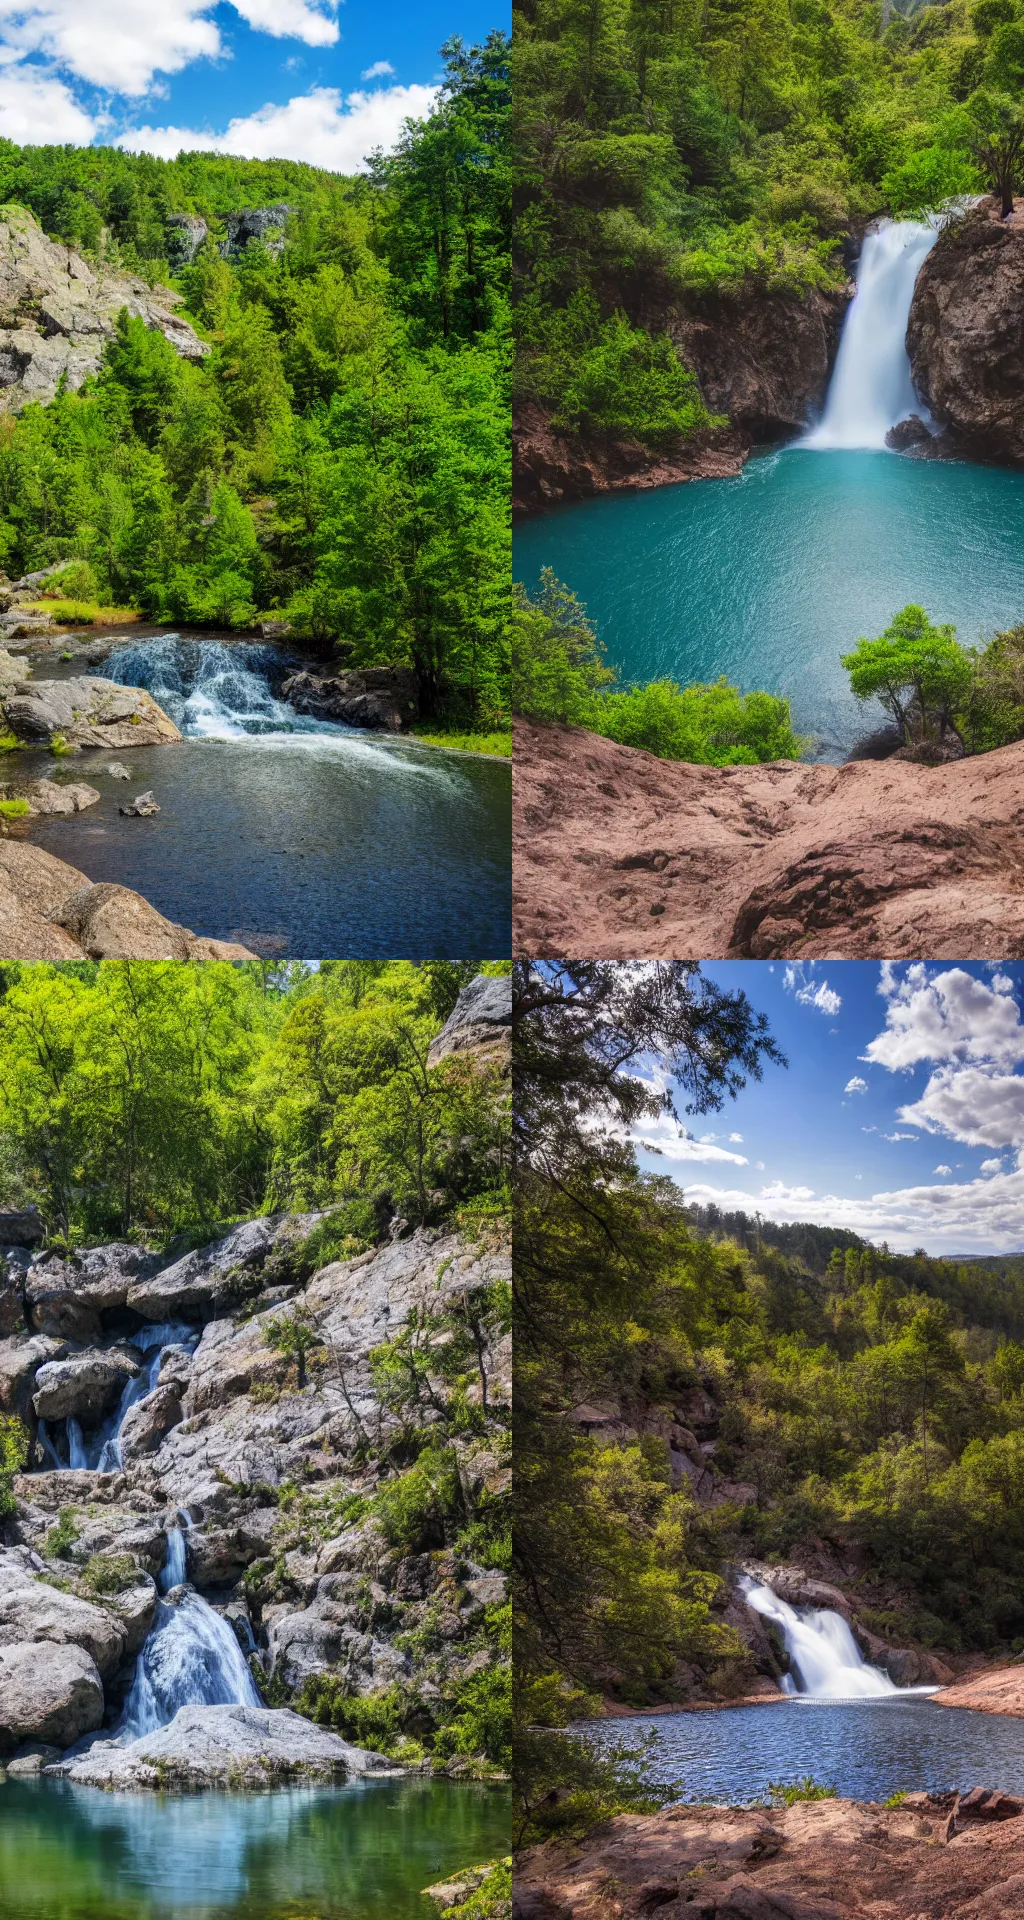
{"type": "Point", "coordinates": [361, 1852]}
{"type": "Point", "coordinates": [769, 577]}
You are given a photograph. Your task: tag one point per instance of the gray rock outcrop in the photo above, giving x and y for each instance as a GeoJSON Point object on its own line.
{"type": "Point", "coordinates": [480, 1022]}
{"type": "Point", "coordinates": [57, 313]}
{"type": "Point", "coordinates": [85, 1386]}
{"type": "Point", "coordinates": [49, 1693]}
{"type": "Point", "coordinates": [221, 1746]}
{"type": "Point", "coordinates": [88, 712]}
{"type": "Point", "coordinates": [51, 911]}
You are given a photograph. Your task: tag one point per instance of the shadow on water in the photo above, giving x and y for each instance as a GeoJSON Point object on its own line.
{"type": "Point", "coordinates": [298, 837]}
{"type": "Point", "coordinates": [362, 1852]}
{"type": "Point", "coordinates": [896, 1743]}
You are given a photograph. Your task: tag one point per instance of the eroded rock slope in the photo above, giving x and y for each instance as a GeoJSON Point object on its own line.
{"type": "Point", "coordinates": [618, 853]}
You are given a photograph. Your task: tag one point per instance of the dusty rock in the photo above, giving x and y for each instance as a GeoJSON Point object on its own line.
{"type": "Point", "coordinates": [47, 1693]}
{"type": "Point", "coordinates": [86, 1385]}
{"type": "Point", "coordinates": [19, 1360]}
{"type": "Point", "coordinates": [549, 465]}
{"type": "Point", "coordinates": [1001, 1690]}
{"type": "Point", "coordinates": [217, 1746]}
{"type": "Point", "coordinates": [619, 853]}
{"type": "Point", "coordinates": [141, 807]}
{"type": "Point", "coordinates": [211, 1277]}
{"type": "Point", "coordinates": [936, 1857]}
{"type": "Point", "coordinates": [57, 313]}
{"type": "Point", "coordinates": [36, 1611]}
{"type": "Point", "coordinates": [964, 333]}
{"type": "Point", "coordinates": [480, 1023]}
{"type": "Point", "coordinates": [118, 770]}
{"type": "Point", "coordinates": [51, 911]}
{"type": "Point", "coordinates": [53, 796]}
{"type": "Point", "coordinates": [148, 1420]}
{"type": "Point", "coordinates": [377, 697]}
{"type": "Point", "coordinates": [910, 432]}
{"type": "Point", "coordinates": [89, 713]}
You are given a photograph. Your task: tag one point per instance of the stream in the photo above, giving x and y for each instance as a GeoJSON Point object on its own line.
{"type": "Point", "coordinates": [301, 838]}
{"type": "Point", "coordinates": [769, 577]}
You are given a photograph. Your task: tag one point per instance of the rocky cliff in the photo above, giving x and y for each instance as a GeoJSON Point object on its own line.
{"type": "Point", "coordinates": [618, 853]}
{"type": "Point", "coordinates": [966, 333]}
{"type": "Point", "coordinates": [176, 1379]}
{"type": "Point", "coordinates": [57, 312]}
{"type": "Point", "coordinates": [764, 362]}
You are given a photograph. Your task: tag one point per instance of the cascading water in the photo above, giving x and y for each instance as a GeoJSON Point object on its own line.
{"type": "Point", "coordinates": [825, 1659]}
{"type": "Point", "coordinates": [191, 1657]}
{"type": "Point", "coordinates": [871, 388]}
{"type": "Point", "coordinates": [103, 1453]}
{"type": "Point", "coordinates": [211, 691]}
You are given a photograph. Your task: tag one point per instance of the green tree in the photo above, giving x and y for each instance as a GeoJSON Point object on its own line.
{"type": "Point", "coordinates": [917, 672]}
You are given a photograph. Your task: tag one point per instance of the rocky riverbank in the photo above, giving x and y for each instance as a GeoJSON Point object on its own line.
{"type": "Point", "coordinates": [932, 1857]}
{"type": "Point", "coordinates": [52, 911]}
{"type": "Point", "coordinates": [764, 862]}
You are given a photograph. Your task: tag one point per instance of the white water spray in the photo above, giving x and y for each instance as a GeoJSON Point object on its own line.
{"type": "Point", "coordinates": [871, 388]}
{"type": "Point", "coordinates": [211, 690]}
{"type": "Point", "coordinates": [825, 1659]}
{"type": "Point", "coordinates": [191, 1657]}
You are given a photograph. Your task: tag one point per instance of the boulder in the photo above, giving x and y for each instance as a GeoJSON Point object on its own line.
{"type": "Point", "coordinates": [47, 1693]}
{"type": "Point", "coordinates": [86, 1385]}
{"type": "Point", "coordinates": [186, 236]}
{"type": "Point", "coordinates": [19, 1361]}
{"type": "Point", "coordinates": [53, 1304]}
{"type": "Point", "coordinates": [907, 433]}
{"type": "Point", "coordinates": [377, 697]}
{"type": "Point", "coordinates": [219, 1556]}
{"type": "Point", "coordinates": [263, 224]}
{"type": "Point", "coordinates": [145, 1423]}
{"type": "Point", "coordinates": [39, 894]}
{"type": "Point", "coordinates": [37, 1611]}
{"type": "Point", "coordinates": [225, 1746]}
{"type": "Point", "coordinates": [101, 1276]}
{"type": "Point", "coordinates": [964, 332]}
{"type": "Point", "coordinates": [479, 1024]}
{"type": "Point", "coordinates": [200, 1283]}
{"type": "Point", "coordinates": [64, 1487]}
{"type": "Point", "coordinates": [21, 1227]}
{"type": "Point", "coordinates": [997, 1690]}
{"type": "Point", "coordinates": [141, 807]}
{"type": "Point", "coordinates": [52, 796]}
{"type": "Point", "coordinates": [89, 713]}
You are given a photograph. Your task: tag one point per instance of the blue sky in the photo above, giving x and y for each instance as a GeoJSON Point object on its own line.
{"type": "Point", "coordinates": [900, 1115]}
{"type": "Point", "coordinates": [318, 80]}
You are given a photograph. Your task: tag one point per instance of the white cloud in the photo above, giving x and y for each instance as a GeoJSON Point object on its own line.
{"type": "Point", "coordinates": [991, 1166]}
{"type": "Point", "coordinates": [121, 45]}
{"type": "Point", "coordinates": [856, 1085]}
{"type": "Point", "coordinates": [31, 99]}
{"type": "Point", "coordinates": [738, 1137]}
{"type": "Point", "coordinates": [899, 1136]}
{"type": "Point", "coordinates": [319, 127]}
{"type": "Point", "coordinates": [810, 993]}
{"type": "Point", "coordinates": [979, 1107]}
{"type": "Point", "coordinates": [942, 1169]}
{"type": "Point", "coordinates": [379, 70]}
{"type": "Point", "coordinates": [983, 1215]}
{"type": "Point", "coordinates": [950, 1017]}
{"type": "Point", "coordinates": [665, 1137]}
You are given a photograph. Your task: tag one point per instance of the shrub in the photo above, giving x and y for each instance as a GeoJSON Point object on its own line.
{"type": "Point", "coordinates": [416, 1509]}
{"type": "Point", "coordinates": [783, 1795]}
{"type": "Point", "coordinates": [491, 1899]}
{"type": "Point", "coordinates": [109, 1573]}
{"type": "Point", "coordinates": [14, 1445]}
{"type": "Point", "coordinates": [62, 1537]}
{"type": "Point", "coordinates": [478, 1718]}
{"type": "Point", "coordinates": [14, 809]}
{"type": "Point", "coordinates": [600, 373]}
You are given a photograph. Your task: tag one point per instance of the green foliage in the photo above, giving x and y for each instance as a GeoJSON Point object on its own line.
{"type": "Point", "coordinates": [61, 1538]}
{"type": "Point", "coordinates": [14, 1446]}
{"type": "Point", "coordinates": [419, 1511]}
{"type": "Point", "coordinates": [559, 674]}
{"type": "Point", "coordinates": [492, 1897]}
{"type": "Point", "coordinates": [109, 1573]}
{"type": "Point", "coordinates": [298, 1339]}
{"type": "Point", "coordinates": [607, 375]}
{"type": "Point", "coordinates": [782, 1795]}
{"type": "Point", "coordinates": [917, 672]}
{"type": "Point", "coordinates": [341, 455]}
{"type": "Point", "coordinates": [478, 1718]}
{"type": "Point", "coordinates": [14, 809]}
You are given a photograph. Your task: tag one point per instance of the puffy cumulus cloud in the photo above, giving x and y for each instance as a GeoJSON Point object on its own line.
{"type": "Point", "coordinates": [856, 1085]}
{"type": "Point", "coordinates": [738, 1137]}
{"type": "Point", "coordinates": [320, 127]}
{"type": "Point", "coordinates": [120, 45]}
{"type": "Point", "coordinates": [991, 1166]}
{"type": "Point", "coordinates": [811, 992]}
{"type": "Point", "coordinates": [979, 1107]}
{"type": "Point", "coordinates": [941, 1168]}
{"type": "Point", "coordinates": [664, 1136]}
{"type": "Point", "coordinates": [950, 1016]}
{"type": "Point", "coordinates": [31, 99]}
{"type": "Point", "coordinates": [379, 70]}
{"type": "Point", "coordinates": [982, 1215]}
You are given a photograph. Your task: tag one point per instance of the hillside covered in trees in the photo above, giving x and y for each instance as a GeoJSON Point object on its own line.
{"type": "Point", "coordinates": [697, 1390]}
{"type": "Point", "coordinates": [339, 459]}
{"type": "Point", "coordinates": [683, 153]}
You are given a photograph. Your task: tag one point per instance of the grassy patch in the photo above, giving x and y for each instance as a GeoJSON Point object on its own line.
{"type": "Point", "coordinates": [85, 613]}
{"type": "Point", "coordinates": [14, 809]}
{"type": "Point", "coordinates": [497, 744]}
{"type": "Point", "coordinates": [9, 742]}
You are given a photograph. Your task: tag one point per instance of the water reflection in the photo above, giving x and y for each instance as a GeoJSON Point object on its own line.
{"type": "Point", "coordinates": [362, 1852]}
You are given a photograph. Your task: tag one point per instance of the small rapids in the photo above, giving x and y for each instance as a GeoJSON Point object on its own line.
{"type": "Point", "coordinates": [191, 1656]}
{"type": "Point", "coordinates": [102, 1452]}
{"type": "Point", "coordinates": [212, 691]}
{"type": "Point", "coordinates": [825, 1660]}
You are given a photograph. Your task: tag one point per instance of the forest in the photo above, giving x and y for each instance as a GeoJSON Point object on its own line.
{"type": "Point", "coordinates": [150, 1100]}
{"type": "Point", "coordinates": [340, 459]}
{"type": "Point", "coordinates": [864, 1403]}
{"type": "Point", "coordinates": [667, 152]}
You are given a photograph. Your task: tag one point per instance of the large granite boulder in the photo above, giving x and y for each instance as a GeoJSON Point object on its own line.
{"type": "Point", "coordinates": [224, 1746]}
{"type": "Point", "coordinates": [37, 1611]}
{"type": "Point", "coordinates": [378, 697]}
{"type": "Point", "coordinates": [53, 1305]}
{"type": "Point", "coordinates": [48, 1693]}
{"type": "Point", "coordinates": [145, 1424]}
{"type": "Point", "coordinates": [85, 1386]}
{"type": "Point", "coordinates": [89, 713]}
{"type": "Point", "coordinates": [19, 1361]}
{"type": "Point", "coordinates": [200, 1283]}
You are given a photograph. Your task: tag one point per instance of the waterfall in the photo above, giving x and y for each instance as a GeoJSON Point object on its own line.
{"type": "Point", "coordinates": [191, 1657]}
{"type": "Point", "coordinates": [103, 1454]}
{"type": "Point", "coordinates": [211, 690]}
{"type": "Point", "coordinates": [825, 1658]}
{"type": "Point", "coordinates": [77, 1455]}
{"type": "Point", "coordinates": [871, 388]}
